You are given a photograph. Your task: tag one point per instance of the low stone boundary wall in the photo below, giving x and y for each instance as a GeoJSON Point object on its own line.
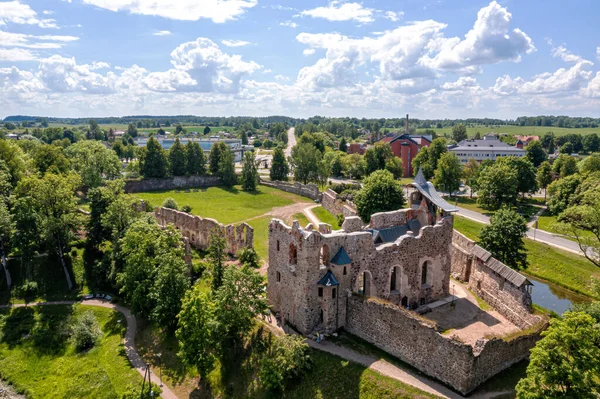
{"type": "Point", "coordinates": [171, 183]}
{"type": "Point", "coordinates": [306, 190]}
{"type": "Point", "coordinates": [335, 206]}
{"type": "Point", "coordinates": [413, 340]}
{"type": "Point", "coordinates": [197, 230]}
{"type": "Point", "coordinates": [511, 300]}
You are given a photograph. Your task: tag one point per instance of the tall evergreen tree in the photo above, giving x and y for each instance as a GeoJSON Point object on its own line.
{"type": "Point", "coordinates": [244, 138]}
{"type": "Point", "coordinates": [177, 158]}
{"type": "Point", "coordinates": [249, 178]}
{"type": "Point", "coordinates": [216, 152]}
{"type": "Point", "coordinates": [227, 168]}
{"type": "Point", "coordinates": [343, 145]}
{"type": "Point", "coordinates": [279, 166]}
{"type": "Point", "coordinates": [154, 162]}
{"type": "Point", "coordinates": [195, 159]}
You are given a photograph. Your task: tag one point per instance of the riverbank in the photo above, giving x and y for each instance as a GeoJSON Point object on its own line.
{"type": "Point", "coordinates": [561, 268]}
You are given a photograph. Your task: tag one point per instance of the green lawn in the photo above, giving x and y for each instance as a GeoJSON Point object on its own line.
{"type": "Point", "coordinates": [301, 218]}
{"type": "Point", "coordinates": [326, 217]}
{"type": "Point", "coordinates": [261, 236]}
{"type": "Point", "coordinates": [226, 205]}
{"type": "Point", "coordinates": [524, 208]}
{"type": "Point", "coordinates": [560, 267]}
{"type": "Point", "coordinates": [38, 359]}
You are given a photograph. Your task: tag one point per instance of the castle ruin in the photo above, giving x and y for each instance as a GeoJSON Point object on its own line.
{"type": "Point", "coordinates": [389, 283]}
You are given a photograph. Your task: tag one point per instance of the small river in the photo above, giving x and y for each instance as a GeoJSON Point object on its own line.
{"type": "Point", "coordinates": [553, 297]}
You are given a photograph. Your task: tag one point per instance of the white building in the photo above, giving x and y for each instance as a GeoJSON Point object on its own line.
{"type": "Point", "coordinates": [490, 147]}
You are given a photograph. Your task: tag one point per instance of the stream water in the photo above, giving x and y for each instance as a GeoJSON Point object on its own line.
{"type": "Point", "coordinates": [553, 297]}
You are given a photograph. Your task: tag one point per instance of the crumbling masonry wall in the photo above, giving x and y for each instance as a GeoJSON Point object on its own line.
{"type": "Point", "coordinates": [336, 206]}
{"type": "Point", "coordinates": [511, 301]}
{"type": "Point", "coordinates": [306, 190]}
{"type": "Point", "coordinates": [416, 341]}
{"type": "Point", "coordinates": [197, 230]}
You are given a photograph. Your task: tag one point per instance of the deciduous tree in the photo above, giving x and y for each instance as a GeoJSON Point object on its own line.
{"type": "Point", "coordinates": [448, 173]}
{"type": "Point", "coordinates": [544, 176]}
{"type": "Point", "coordinates": [459, 133]}
{"type": "Point", "coordinates": [564, 363]}
{"type": "Point", "coordinates": [536, 153]}
{"type": "Point", "coordinates": [503, 237]}
{"type": "Point", "coordinates": [380, 193]}
{"type": "Point", "coordinates": [216, 256]}
{"type": "Point", "coordinates": [305, 161]}
{"type": "Point", "coordinates": [471, 173]}
{"type": "Point", "coordinates": [93, 162]}
{"type": "Point", "coordinates": [497, 185]}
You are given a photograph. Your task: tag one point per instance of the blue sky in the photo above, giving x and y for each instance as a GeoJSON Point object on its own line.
{"type": "Point", "coordinates": [375, 58]}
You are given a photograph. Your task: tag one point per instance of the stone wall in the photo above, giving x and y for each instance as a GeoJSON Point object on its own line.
{"type": "Point", "coordinates": [336, 206]}
{"type": "Point", "coordinates": [170, 183]}
{"type": "Point", "coordinates": [197, 230]}
{"type": "Point", "coordinates": [416, 341]}
{"type": "Point", "coordinates": [510, 300]}
{"type": "Point", "coordinates": [306, 190]}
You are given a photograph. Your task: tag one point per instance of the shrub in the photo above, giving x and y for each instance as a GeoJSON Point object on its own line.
{"type": "Point", "coordinates": [340, 219]}
{"type": "Point", "coordinates": [170, 203]}
{"type": "Point", "coordinates": [287, 359]}
{"type": "Point", "coordinates": [148, 205]}
{"type": "Point", "coordinates": [341, 187]}
{"type": "Point", "coordinates": [186, 209]}
{"type": "Point", "coordinates": [249, 257]}
{"type": "Point", "coordinates": [85, 332]}
{"type": "Point", "coordinates": [28, 290]}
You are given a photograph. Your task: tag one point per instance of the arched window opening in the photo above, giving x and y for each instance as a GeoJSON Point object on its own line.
{"type": "Point", "coordinates": [364, 284]}
{"type": "Point", "coordinates": [278, 277]}
{"type": "Point", "coordinates": [293, 254]}
{"type": "Point", "coordinates": [277, 245]}
{"type": "Point", "coordinates": [425, 273]}
{"type": "Point", "coordinates": [395, 280]}
{"type": "Point", "coordinates": [345, 272]}
{"type": "Point", "coordinates": [324, 255]}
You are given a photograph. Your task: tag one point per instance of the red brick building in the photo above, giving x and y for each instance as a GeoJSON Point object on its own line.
{"type": "Point", "coordinates": [406, 147]}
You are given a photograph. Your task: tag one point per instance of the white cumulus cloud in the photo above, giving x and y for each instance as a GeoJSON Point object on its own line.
{"type": "Point", "coordinates": [218, 11]}
{"type": "Point", "coordinates": [289, 24]}
{"type": "Point", "coordinates": [489, 41]}
{"type": "Point", "coordinates": [338, 11]}
{"type": "Point", "coordinates": [16, 12]}
{"type": "Point", "coordinates": [235, 43]}
{"type": "Point", "coordinates": [162, 33]}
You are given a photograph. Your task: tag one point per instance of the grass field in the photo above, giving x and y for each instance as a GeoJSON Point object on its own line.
{"type": "Point", "coordinates": [326, 217]}
{"type": "Point", "coordinates": [559, 267]}
{"type": "Point", "coordinates": [226, 205]}
{"type": "Point", "coordinates": [301, 218]}
{"type": "Point", "coordinates": [526, 210]}
{"type": "Point", "coordinates": [46, 365]}
{"type": "Point", "coordinates": [520, 130]}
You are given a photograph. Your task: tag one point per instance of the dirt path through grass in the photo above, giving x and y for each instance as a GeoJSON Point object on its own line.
{"type": "Point", "coordinates": [128, 342]}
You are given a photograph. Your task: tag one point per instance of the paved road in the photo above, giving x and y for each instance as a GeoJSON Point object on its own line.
{"type": "Point", "coordinates": [129, 340]}
{"type": "Point", "coordinates": [291, 142]}
{"type": "Point", "coordinates": [540, 235]}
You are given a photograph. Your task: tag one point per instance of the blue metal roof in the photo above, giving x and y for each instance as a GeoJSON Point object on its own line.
{"type": "Point", "coordinates": [328, 280]}
{"type": "Point", "coordinates": [341, 257]}
{"type": "Point", "coordinates": [429, 191]}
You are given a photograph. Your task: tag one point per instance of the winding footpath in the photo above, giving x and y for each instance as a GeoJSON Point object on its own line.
{"type": "Point", "coordinates": [129, 340]}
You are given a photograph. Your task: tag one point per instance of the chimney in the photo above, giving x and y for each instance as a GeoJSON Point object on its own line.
{"type": "Point", "coordinates": [406, 124]}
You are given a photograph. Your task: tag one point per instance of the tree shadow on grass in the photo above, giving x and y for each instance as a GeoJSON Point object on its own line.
{"type": "Point", "coordinates": [18, 324]}
{"type": "Point", "coordinates": [116, 324]}
{"type": "Point", "coordinates": [232, 190]}
{"type": "Point", "coordinates": [52, 330]}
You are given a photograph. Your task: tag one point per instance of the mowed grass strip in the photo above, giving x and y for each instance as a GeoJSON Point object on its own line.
{"type": "Point", "coordinates": [225, 205]}
{"type": "Point", "coordinates": [560, 267]}
{"type": "Point", "coordinates": [326, 217]}
{"type": "Point", "coordinates": [37, 357]}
